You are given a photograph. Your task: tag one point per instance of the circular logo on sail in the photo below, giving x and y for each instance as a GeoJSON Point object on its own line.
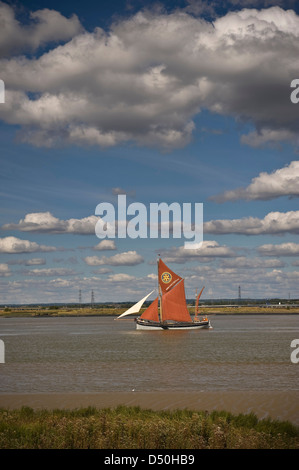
{"type": "Point", "coordinates": [166, 277]}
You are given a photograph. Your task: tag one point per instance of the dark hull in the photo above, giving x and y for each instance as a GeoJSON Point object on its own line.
{"type": "Point", "coordinates": [151, 325]}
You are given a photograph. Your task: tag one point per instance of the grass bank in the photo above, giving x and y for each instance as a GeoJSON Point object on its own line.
{"type": "Point", "coordinates": [60, 312]}
{"type": "Point", "coordinates": [115, 311]}
{"type": "Point", "coordinates": [136, 428]}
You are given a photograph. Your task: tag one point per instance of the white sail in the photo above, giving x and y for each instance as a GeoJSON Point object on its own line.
{"type": "Point", "coordinates": [136, 307]}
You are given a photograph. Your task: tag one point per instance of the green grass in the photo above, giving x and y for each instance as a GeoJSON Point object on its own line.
{"type": "Point", "coordinates": [55, 311]}
{"type": "Point", "coordinates": [136, 428]}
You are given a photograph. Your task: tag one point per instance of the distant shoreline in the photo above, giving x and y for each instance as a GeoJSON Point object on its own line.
{"type": "Point", "coordinates": [114, 312]}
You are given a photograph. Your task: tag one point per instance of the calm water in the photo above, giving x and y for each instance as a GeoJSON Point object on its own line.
{"type": "Point", "coordinates": [100, 354]}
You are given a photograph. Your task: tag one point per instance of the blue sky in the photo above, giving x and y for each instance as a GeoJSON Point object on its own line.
{"type": "Point", "coordinates": [172, 102]}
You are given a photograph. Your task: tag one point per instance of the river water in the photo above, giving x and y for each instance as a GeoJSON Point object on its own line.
{"type": "Point", "coordinates": [99, 354]}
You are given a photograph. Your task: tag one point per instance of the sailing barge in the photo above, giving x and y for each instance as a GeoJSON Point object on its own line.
{"type": "Point", "coordinates": [169, 310]}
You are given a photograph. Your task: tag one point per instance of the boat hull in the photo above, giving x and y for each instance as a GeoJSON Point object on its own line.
{"type": "Point", "coordinates": [151, 325]}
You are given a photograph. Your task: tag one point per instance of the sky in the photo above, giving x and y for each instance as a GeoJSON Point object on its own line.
{"type": "Point", "coordinates": [185, 101]}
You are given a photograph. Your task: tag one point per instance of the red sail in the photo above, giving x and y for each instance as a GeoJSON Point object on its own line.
{"type": "Point", "coordinates": [151, 313]}
{"type": "Point", "coordinates": [174, 306]}
{"type": "Point", "coordinates": [167, 278]}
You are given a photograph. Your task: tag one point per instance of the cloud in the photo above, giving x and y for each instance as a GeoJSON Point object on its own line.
{"type": "Point", "coordinates": [16, 245]}
{"type": "Point", "coordinates": [120, 277]}
{"type": "Point", "coordinates": [44, 26]}
{"type": "Point", "coordinates": [101, 271]}
{"type": "Point", "coordinates": [45, 222]}
{"type": "Point", "coordinates": [69, 260]}
{"type": "Point", "coordinates": [117, 191]}
{"type": "Point", "coordinates": [146, 79]}
{"type": "Point", "coordinates": [269, 137]}
{"type": "Point", "coordinates": [105, 245]}
{"type": "Point", "coordinates": [128, 258]}
{"type": "Point", "coordinates": [282, 182]}
{"type": "Point", "coordinates": [50, 272]}
{"type": "Point", "coordinates": [241, 262]}
{"type": "Point", "coordinates": [4, 270]}
{"type": "Point", "coordinates": [284, 249]}
{"type": "Point", "coordinates": [255, 283]}
{"type": "Point", "coordinates": [60, 283]}
{"type": "Point", "coordinates": [274, 223]}
{"type": "Point", "coordinates": [28, 262]}
{"type": "Point", "coordinates": [210, 249]}
{"type": "Point", "coordinates": [219, 281]}
{"type": "Point", "coordinates": [213, 8]}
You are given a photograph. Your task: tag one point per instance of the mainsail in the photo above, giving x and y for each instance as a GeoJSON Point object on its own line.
{"type": "Point", "coordinates": [173, 300]}
{"type": "Point", "coordinates": [174, 306]}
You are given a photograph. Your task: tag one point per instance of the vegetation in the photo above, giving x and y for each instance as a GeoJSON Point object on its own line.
{"type": "Point", "coordinates": [136, 428]}
{"type": "Point", "coordinates": [115, 310]}
{"type": "Point", "coordinates": [65, 311]}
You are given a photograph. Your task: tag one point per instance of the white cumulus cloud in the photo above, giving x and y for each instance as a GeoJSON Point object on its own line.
{"type": "Point", "coordinates": [44, 26]}
{"type": "Point", "coordinates": [45, 222]}
{"type": "Point", "coordinates": [16, 245]}
{"type": "Point", "coordinates": [273, 223]}
{"type": "Point", "coordinates": [282, 249]}
{"type": "Point", "coordinates": [50, 272]}
{"type": "Point", "coordinates": [4, 270]}
{"type": "Point", "coordinates": [147, 77]}
{"type": "Point", "coordinates": [127, 258]}
{"type": "Point", "coordinates": [241, 262]}
{"type": "Point", "coordinates": [281, 182]}
{"type": "Point", "coordinates": [105, 245]}
{"type": "Point", "coordinates": [120, 277]}
{"type": "Point", "coordinates": [209, 249]}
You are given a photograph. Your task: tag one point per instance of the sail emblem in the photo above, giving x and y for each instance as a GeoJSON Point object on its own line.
{"type": "Point", "coordinates": [166, 277]}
